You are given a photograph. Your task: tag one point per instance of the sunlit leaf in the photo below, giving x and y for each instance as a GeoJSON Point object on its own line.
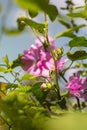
{"type": "Point", "coordinates": [11, 32]}
{"type": "Point", "coordinates": [29, 4]}
{"type": "Point", "coordinates": [76, 15]}
{"type": "Point", "coordinates": [28, 77]}
{"type": "Point", "coordinates": [6, 59]}
{"type": "Point", "coordinates": [78, 41]}
{"type": "Point", "coordinates": [77, 55]}
{"type": "Point", "coordinates": [2, 69]}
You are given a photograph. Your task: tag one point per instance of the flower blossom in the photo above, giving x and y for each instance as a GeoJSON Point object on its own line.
{"type": "Point", "coordinates": [77, 86]}
{"type": "Point", "coordinates": [38, 60]}
{"type": "Point", "coordinates": [84, 93]}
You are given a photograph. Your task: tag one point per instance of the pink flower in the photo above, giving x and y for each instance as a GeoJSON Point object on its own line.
{"type": "Point", "coordinates": [84, 92]}
{"type": "Point", "coordinates": [38, 60]}
{"type": "Point", "coordinates": [75, 85]}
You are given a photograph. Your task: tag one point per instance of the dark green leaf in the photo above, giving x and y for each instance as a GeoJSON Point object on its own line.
{"type": "Point", "coordinates": [16, 62]}
{"type": "Point", "coordinates": [52, 12]}
{"type": "Point", "coordinates": [85, 65]}
{"type": "Point", "coordinates": [38, 92]}
{"type": "Point", "coordinates": [78, 41]}
{"type": "Point", "coordinates": [64, 23]}
{"type": "Point", "coordinates": [77, 55]}
{"type": "Point", "coordinates": [62, 103]}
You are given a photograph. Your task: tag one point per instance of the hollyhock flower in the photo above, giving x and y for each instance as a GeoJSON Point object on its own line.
{"type": "Point", "coordinates": [84, 92]}
{"type": "Point", "coordinates": [38, 60]}
{"type": "Point", "coordinates": [75, 85]}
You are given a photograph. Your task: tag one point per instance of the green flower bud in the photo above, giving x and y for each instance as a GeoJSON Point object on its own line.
{"type": "Point", "coordinates": [58, 53]}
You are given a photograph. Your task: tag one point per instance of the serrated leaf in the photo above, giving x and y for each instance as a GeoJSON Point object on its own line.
{"type": "Point", "coordinates": [77, 55]}
{"type": "Point", "coordinates": [78, 41]}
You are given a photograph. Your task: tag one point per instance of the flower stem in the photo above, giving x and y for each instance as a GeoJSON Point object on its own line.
{"type": "Point", "coordinates": [55, 64]}
{"type": "Point", "coordinates": [78, 103]}
{"type": "Point", "coordinates": [56, 71]}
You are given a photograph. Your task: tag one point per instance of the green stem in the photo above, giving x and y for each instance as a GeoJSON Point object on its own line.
{"type": "Point", "coordinates": [68, 31]}
{"type": "Point", "coordinates": [45, 18]}
{"type": "Point", "coordinates": [62, 75]}
{"type": "Point", "coordinates": [56, 71]}
{"type": "Point", "coordinates": [55, 64]}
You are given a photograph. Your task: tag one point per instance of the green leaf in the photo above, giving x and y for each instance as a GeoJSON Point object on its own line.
{"type": "Point", "coordinates": [39, 5]}
{"type": "Point", "coordinates": [78, 41]}
{"type": "Point", "coordinates": [52, 12]}
{"type": "Point", "coordinates": [28, 22]}
{"type": "Point", "coordinates": [64, 23]}
{"type": "Point", "coordinates": [28, 77]}
{"type": "Point", "coordinates": [70, 35]}
{"type": "Point", "coordinates": [11, 32]}
{"type": "Point", "coordinates": [67, 31]}
{"type": "Point", "coordinates": [62, 103]}
{"type": "Point", "coordinates": [77, 55]}
{"type": "Point", "coordinates": [75, 15]}
{"type": "Point", "coordinates": [2, 69]}
{"type": "Point", "coordinates": [6, 59]}
{"type": "Point", "coordinates": [80, 14]}
{"type": "Point", "coordinates": [85, 65]}
{"type": "Point", "coordinates": [32, 14]}
{"type": "Point", "coordinates": [29, 4]}
{"type": "Point", "coordinates": [38, 92]}
{"type": "Point", "coordinates": [16, 62]}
